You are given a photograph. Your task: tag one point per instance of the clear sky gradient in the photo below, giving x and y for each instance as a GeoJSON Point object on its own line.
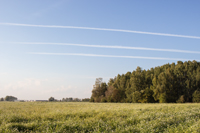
{"type": "Point", "coordinates": [38, 61]}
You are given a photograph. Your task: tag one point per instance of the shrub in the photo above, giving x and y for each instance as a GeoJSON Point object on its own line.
{"type": "Point", "coordinates": [196, 96]}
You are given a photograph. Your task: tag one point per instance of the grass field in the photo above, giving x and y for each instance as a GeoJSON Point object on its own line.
{"type": "Point", "coordinates": [98, 117]}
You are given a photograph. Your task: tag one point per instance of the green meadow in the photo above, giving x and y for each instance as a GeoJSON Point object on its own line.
{"type": "Point", "coordinates": [82, 117]}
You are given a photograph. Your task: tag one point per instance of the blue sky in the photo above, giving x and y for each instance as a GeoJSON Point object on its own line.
{"type": "Point", "coordinates": [27, 74]}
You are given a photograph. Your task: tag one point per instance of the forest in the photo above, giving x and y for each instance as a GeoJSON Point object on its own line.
{"type": "Point", "coordinates": [169, 83]}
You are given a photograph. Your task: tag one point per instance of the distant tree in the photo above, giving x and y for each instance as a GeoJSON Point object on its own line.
{"type": "Point", "coordinates": [76, 100]}
{"type": "Point", "coordinates": [70, 99]}
{"type": "Point", "coordinates": [97, 83]}
{"type": "Point", "coordinates": [99, 90]}
{"type": "Point", "coordinates": [2, 99]}
{"type": "Point", "coordinates": [63, 100]}
{"type": "Point", "coordinates": [51, 99]}
{"type": "Point", "coordinates": [86, 100]}
{"type": "Point", "coordinates": [10, 98]}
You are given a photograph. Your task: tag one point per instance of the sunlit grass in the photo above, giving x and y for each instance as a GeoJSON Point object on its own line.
{"type": "Point", "coordinates": [98, 117]}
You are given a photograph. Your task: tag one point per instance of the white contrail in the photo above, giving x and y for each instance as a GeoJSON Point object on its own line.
{"type": "Point", "coordinates": [111, 56]}
{"type": "Point", "coordinates": [104, 29]}
{"type": "Point", "coordinates": [114, 47]}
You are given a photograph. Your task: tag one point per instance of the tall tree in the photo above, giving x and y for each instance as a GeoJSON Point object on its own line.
{"type": "Point", "coordinates": [99, 89]}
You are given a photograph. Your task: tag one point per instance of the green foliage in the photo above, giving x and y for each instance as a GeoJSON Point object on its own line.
{"type": "Point", "coordinates": [99, 90]}
{"type": "Point", "coordinates": [136, 97]}
{"type": "Point", "coordinates": [85, 100]}
{"type": "Point", "coordinates": [196, 96]}
{"type": "Point", "coordinates": [91, 99]}
{"type": "Point", "coordinates": [103, 99]}
{"type": "Point", "coordinates": [51, 99]}
{"type": "Point", "coordinates": [169, 83]}
{"type": "Point", "coordinates": [181, 99]}
{"type": "Point", "coordinates": [2, 99]}
{"type": "Point", "coordinates": [163, 98]}
{"type": "Point", "coordinates": [147, 96]}
{"type": "Point", "coordinates": [10, 98]}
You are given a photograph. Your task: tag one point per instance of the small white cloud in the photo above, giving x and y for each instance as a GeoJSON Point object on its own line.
{"type": "Point", "coordinates": [23, 84]}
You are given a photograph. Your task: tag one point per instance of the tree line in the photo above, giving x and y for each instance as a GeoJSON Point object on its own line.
{"type": "Point", "coordinates": [169, 83]}
{"type": "Point", "coordinates": [51, 99]}
{"type": "Point", "coordinates": [70, 99]}
{"type": "Point", "coordinates": [8, 98]}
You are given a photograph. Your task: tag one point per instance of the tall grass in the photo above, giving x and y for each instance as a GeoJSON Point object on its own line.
{"type": "Point", "coordinates": [98, 117]}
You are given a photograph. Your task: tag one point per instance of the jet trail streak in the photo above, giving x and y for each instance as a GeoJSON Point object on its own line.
{"type": "Point", "coordinates": [102, 29]}
{"type": "Point", "coordinates": [108, 46]}
{"type": "Point", "coordinates": [111, 56]}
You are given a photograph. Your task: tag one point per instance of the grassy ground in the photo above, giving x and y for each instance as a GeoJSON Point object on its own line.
{"type": "Point", "coordinates": [98, 117]}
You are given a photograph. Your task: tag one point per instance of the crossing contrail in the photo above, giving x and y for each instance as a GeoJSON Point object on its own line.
{"type": "Point", "coordinates": [101, 29]}
{"type": "Point", "coordinates": [107, 46]}
{"type": "Point", "coordinates": [111, 56]}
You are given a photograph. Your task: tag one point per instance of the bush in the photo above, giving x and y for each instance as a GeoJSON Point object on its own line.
{"type": "Point", "coordinates": [196, 96]}
{"type": "Point", "coordinates": [181, 99]}
{"type": "Point", "coordinates": [103, 100]}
